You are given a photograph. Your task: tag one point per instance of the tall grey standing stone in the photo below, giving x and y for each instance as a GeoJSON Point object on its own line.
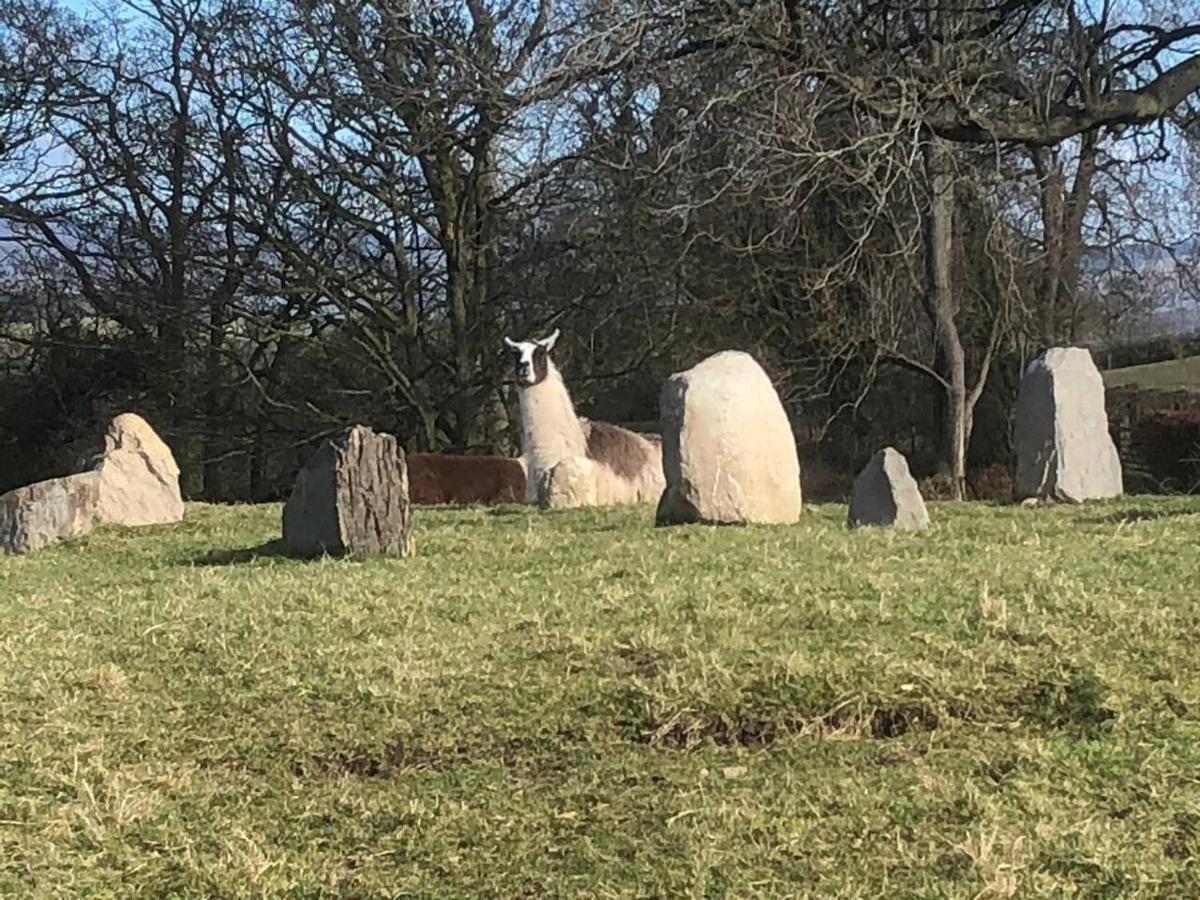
{"type": "Point", "coordinates": [885, 493]}
{"type": "Point", "coordinates": [1064, 450]}
{"type": "Point", "coordinates": [351, 499]}
{"type": "Point", "coordinates": [729, 455]}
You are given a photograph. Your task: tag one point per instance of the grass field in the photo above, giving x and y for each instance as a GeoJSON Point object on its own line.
{"type": "Point", "coordinates": [578, 705]}
{"type": "Point", "coordinates": [1171, 375]}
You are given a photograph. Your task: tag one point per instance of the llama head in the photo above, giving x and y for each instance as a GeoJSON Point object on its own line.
{"type": "Point", "coordinates": [531, 359]}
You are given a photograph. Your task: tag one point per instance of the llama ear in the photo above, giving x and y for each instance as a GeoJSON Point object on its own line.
{"type": "Point", "coordinates": [549, 342]}
{"type": "Point", "coordinates": [510, 343]}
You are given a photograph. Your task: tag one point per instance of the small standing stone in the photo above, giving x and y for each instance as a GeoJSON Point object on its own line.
{"type": "Point", "coordinates": [885, 493]}
{"type": "Point", "coordinates": [569, 485]}
{"type": "Point", "coordinates": [1064, 450]}
{"type": "Point", "coordinates": [351, 499]}
{"type": "Point", "coordinates": [36, 515]}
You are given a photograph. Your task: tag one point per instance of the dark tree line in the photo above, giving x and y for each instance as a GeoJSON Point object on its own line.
{"type": "Point", "coordinates": [256, 221]}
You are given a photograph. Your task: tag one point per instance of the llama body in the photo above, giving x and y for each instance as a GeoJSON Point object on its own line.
{"type": "Point", "coordinates": [572, 461]}
{"type": "Point", "coordinates": [550, 430]}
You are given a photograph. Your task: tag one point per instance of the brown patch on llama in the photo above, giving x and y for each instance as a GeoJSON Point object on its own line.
{"type": "Point", "coordinates": [623, 451]}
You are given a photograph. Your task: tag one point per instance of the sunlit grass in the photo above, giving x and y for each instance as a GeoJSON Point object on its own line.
{"type": "Point", "coordinates": [578, 704]}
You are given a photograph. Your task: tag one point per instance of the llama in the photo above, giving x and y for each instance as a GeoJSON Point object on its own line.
{"type": "Point", "coordinates": [438, 478]}
{"type": "Point", "coordinates": [572, 461]}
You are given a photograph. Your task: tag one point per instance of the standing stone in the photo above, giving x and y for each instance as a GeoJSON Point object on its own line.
{"type": "Point", "coordinates": [139, 479]}
{"type": "Point", "coordinates": [885, 493]}
{"type": "Point", "coordinates": [569, 485]}
{"type": "Point", "coordinates": [728, 451]}
{"type": "Point", "coordinates": [1064, 450]}
{"type": "Point", "coordinates": [134, 482]}
{"type": "Point", "coordinates": [351, 498]}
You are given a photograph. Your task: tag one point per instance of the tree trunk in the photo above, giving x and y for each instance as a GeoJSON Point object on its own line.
{"type": "Point", "coordinates": [1052, 191]}
{"type": "Point", "coordinates": [1063, 213]}
{"type": "Point", "coordinates": [175, 305]}
{"type": "Point", "coordinates": [1076, 209]}
{"type": "Point", "coordinates": [214, 393]}
{"type": "Point", "coordinates": [941, 308]}
{"type": "Point", "coordinates": [258, 461]}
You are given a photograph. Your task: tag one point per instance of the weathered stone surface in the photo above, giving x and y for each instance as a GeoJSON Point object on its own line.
{"type": "Point", "coordinates": [36, 515]}
{"type": "Point", "coordinates": [351, 498]}
{"type": "Point", "coordinates": [729, 455]}
{"type": "Point", "coordinates": [569, 485]}
{"type": "Point", "coordinates": [885, 493]}
{"type": "Point", "coordinates": [1064, 451]}
{"type": "Point", "coordinates": [135, 481]}
{"type": "Point", "coordinates": [139, 479]}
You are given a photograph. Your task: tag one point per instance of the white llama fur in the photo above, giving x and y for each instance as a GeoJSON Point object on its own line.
{"type": "Point", "coordinates": [571, 461]}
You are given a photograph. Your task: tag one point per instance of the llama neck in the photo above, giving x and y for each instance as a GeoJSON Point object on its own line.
{"type": "Point", "coordinates": [550, 430]}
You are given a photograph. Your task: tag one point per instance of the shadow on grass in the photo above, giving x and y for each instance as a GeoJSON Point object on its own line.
{"type": "Point", "coordinates": [605, 528]}
{"type": "Point", "coordinates": [270, 550]}
{"type": "Point", "coordinates": [242, 555]}
{"type": "Point", "coordinates": [1142, 514]}
{"type": "Point", "coordinates": [507, 510]}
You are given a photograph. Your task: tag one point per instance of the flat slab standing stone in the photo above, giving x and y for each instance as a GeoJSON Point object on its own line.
{"type": "Point", "coordinates": [1064, 450]}
{"type": "Point", "coordinates": [351, 499]}
{"type": "Point", "coordinates": [729, 455]}
{"type": "Point", "coordinates": [885, 493]}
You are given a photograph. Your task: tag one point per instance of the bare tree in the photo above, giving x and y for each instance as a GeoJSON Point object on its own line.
{"type": "Point", "coordinates": [424, 131]}
{"type": "Point", "coordinates": [941, 79]}
{"type": "Point", "coordinates": [293, 214]}
{"type": "Point", "coordinates": [141, 198]}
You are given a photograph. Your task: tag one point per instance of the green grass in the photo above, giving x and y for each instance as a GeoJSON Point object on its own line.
{"type": "Point", "coordinates": [577, 704]}
{"type": "Point", "coordinates": [1171, 375]}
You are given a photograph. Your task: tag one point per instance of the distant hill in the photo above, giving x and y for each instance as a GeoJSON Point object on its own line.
{"type": "Point", "coordinates": [1143, 254]}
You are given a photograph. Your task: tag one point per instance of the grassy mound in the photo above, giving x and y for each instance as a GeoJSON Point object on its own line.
{"type": "Point", "coordinates": [1171, 375]}
{"type": "Point", "coordinates": [577, 704]}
